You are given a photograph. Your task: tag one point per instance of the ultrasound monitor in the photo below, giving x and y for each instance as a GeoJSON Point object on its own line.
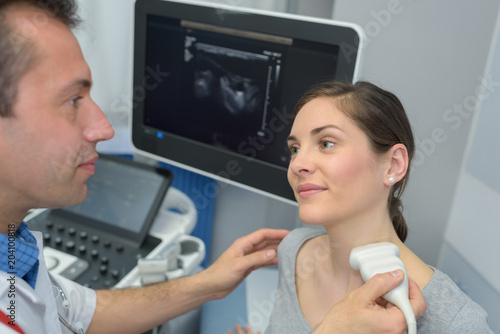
{"type": "Point", "coordinates": [215, 86]}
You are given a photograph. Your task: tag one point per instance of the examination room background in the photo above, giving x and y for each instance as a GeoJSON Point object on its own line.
{"type": "Point", "coordinates": [440, 57]}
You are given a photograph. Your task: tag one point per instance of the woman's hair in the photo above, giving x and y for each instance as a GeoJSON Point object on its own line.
{"type": "Point", "coordinates": [383, 119]}
{"type": "Point", "coordinates": [17, 52]}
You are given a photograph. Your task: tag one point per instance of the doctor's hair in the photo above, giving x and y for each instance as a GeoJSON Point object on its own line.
{"type": "Point", "coordinates": [18, 53]}
{"type": "Point", "coordinates": [381, 116]}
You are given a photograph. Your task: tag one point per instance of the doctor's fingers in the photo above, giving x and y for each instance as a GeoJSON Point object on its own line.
{"type": "Point", "coordinates": [259, 239]}
{"type": "Point", "coordinates": [417, 300]}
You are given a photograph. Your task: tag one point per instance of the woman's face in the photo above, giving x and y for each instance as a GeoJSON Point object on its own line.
{"type": "Point", "coordinates": [333, 171]}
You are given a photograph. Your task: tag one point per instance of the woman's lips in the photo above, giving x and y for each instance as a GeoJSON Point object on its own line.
{"type": "Point", "coordinates": [307, 190]}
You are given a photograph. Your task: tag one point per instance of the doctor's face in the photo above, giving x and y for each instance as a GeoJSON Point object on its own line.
{"type": "Point", "coordinates": [333, 171]}
{"type": "Point", "coordinates": [48, 146]}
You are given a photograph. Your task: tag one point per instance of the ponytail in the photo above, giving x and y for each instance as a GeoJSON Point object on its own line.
{"type": "Point", "coordinates": [397, 218]}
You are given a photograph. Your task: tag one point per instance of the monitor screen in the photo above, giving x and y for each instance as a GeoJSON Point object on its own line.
{"type": "Point", "coordinates": [215, 86]}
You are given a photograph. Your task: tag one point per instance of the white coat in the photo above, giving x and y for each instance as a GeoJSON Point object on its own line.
{"type": "Point", "coordinates": [36, 311]}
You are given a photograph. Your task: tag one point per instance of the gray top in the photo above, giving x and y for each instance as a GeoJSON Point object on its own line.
{"type": "Point", "coordinates": [449, 310]}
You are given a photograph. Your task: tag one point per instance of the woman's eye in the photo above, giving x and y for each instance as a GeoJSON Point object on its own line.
{"type": "Point", "coordinates": [327, 144]}
{"type": "Point", "coordinates": [294, 150]}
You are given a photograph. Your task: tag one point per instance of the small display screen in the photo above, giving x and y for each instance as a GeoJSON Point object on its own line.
{"type": "Point", "coordinates": [123, 195]}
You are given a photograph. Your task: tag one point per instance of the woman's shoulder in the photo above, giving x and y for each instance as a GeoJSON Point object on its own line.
{"type": "Point", "coordinates": [298, 236]}
{"type": "Point", "coordinates": [290, 245]}
{"type": "Point", "coordinates": [441, 289]}
{"type": "Point", "coordinates": [450, 308]}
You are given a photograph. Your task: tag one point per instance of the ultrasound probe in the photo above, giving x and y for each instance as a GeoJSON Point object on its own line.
{"type": "Point", "coordinates": [379, 258]}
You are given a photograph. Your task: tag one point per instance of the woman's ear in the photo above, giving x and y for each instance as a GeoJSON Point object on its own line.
{"type": "Point", "coordinates": [398, 164]}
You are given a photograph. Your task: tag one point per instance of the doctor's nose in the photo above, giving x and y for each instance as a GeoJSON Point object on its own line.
{"type": "Point", "coordinates": [99, 128]}
{"type": "Point", "coordinates": [99, 131]}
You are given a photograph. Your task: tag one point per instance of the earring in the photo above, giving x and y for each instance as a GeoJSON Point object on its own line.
{"type": "Point", "coordinates": [391, 180]}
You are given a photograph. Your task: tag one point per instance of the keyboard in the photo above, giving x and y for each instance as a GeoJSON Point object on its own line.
{"type": "Point", "coordinates": [87, 255]}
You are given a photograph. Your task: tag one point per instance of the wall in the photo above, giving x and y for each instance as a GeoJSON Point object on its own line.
{"type": "Point", "coordinates": [471, 239]}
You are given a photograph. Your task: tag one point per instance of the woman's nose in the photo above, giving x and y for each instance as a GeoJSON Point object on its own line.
{"type": "Point", "coordinates": [302, 162]}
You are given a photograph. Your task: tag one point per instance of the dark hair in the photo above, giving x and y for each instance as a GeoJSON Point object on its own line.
{"type": "Point", "coordinates": [383, 119]}
{"type": "Point", "coordinates": [17, 50]}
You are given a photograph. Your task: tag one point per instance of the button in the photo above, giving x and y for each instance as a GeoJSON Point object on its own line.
{"type": "Point", "coordinates": [107, 243]}
{"type": "Point", "coordinates": [46, 237]}
{"type": "Point", "coordinates": [119, 248]}
{"type": "Point", "coordinates": [70, 245]}
{"type": "Point", "coordinates": [103, 269]}
{"type": "Point", "coordinates": [95, 239]}
{"type": "Point", "coordinates": [60, 228]}
{"type": "Point", "coordinates": [58, 241]}
{"type": "Point", "coordinates": [83, 235]}
{"type": "Point", "coordinates": [49, 224]}
{"type": "Point", "coordinates": [115, 274]}
{"type": "Point", "coordinates": [72, 231]}
{"type": "Point", "coordinates": [94, 253]}
{"type": "Point", "coordinates": [82, 249]}
{"type": "Point", "coordinates": [104, 260]}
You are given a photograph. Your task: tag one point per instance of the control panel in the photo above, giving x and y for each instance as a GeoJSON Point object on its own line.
{"type": "Point", "coordinates": [91, 257]}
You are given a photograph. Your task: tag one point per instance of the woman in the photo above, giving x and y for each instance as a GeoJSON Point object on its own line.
{"type": "Point", "coordinates": [351, 149]}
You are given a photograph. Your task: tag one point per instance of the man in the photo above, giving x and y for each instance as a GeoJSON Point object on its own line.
{"type": "Point", "coordinates": [49, 129]}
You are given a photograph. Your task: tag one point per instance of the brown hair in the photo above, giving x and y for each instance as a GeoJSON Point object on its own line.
{"type": "Point", "coordinates": [382, 117]}
{"type": "Point", "coordinates": [17, 51]}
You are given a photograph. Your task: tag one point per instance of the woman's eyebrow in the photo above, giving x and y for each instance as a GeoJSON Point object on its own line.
{"type": "Point", "coordinates": [322, 128]}
{"type": "Point", "coordinates": [316, 131]}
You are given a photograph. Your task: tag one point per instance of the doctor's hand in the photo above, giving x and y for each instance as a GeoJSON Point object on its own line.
{"type": "Point", "coordinates": [365, 311]}
{"type": "Point", "coordinates": [246, 254]}
{"type": "Point", "coordinates": [138, 310]}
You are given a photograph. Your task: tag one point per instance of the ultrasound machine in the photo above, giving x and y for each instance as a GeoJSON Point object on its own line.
{"type": "Point", "coordinates": [214, 86]}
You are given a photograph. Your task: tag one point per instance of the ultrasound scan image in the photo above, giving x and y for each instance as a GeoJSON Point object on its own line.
{"type": "Point", "coordinates": [235, 91]}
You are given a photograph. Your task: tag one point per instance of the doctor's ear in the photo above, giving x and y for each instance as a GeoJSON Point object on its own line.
{"type": "Point", "coordinates": [398, 164]}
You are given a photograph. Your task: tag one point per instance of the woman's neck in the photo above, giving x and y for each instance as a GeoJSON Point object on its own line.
{"type": "Point", "coordinates": [329, 278]}
{"type": "Point", "coordinates": [323, 273]}
{"type": "Point", "coordinates": [341, 238]}
{"type": "Point", "coordinates": [365, 229]}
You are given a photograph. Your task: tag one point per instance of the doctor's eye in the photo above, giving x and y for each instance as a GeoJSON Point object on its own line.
{"type": "Point", "coordinates": [75, 101]}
